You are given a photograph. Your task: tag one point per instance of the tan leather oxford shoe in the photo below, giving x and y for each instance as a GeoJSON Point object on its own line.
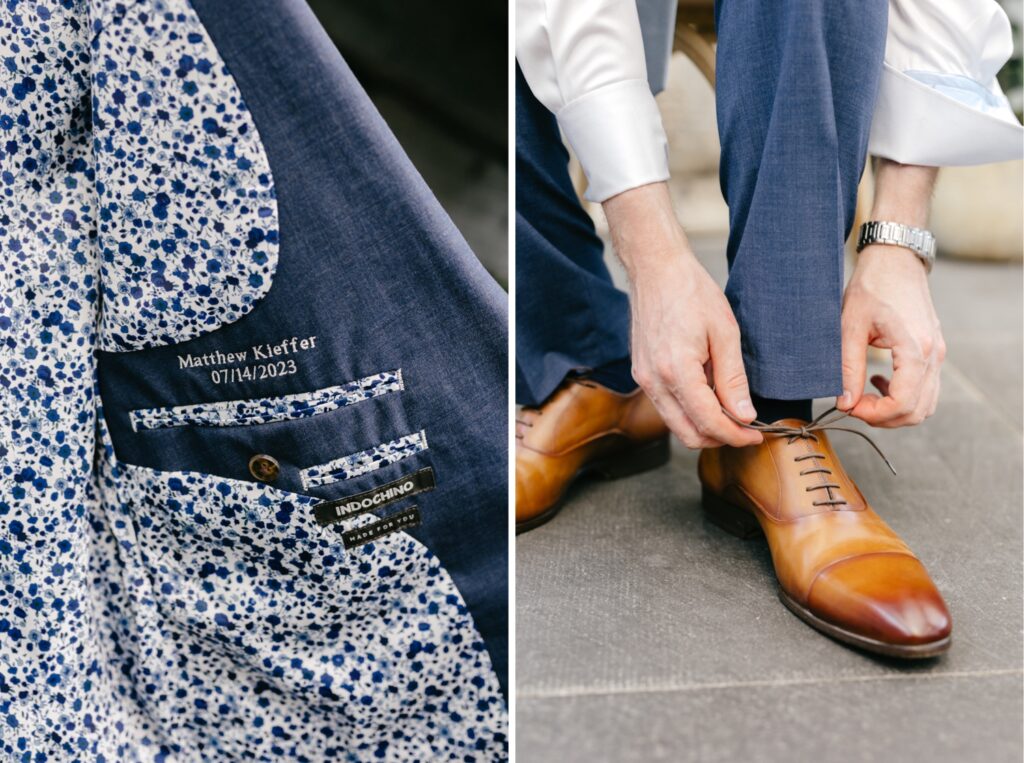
{"type": "Point", "coordinates": [840, 567]}
{"type": "Point", "coordinates": [583, 429]}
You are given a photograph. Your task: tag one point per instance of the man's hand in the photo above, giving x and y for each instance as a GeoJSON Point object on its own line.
{"type": "Point", "coordinates": [887, 304]}
{"type": "Point", "coordinates": [684, 335]}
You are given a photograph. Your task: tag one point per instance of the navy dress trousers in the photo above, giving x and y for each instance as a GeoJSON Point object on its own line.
{"type": "Point", "coordinates": [252, 433]}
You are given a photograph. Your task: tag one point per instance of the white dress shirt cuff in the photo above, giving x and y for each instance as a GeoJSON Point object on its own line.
{"type": "Point", "coordinates": [916, 122]}
{"type": "Point", "coordinates": [939, 101]}
{"type": "Point", "coordinates": [617, 135]}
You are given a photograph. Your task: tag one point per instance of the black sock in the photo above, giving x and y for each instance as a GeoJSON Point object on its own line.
{"type": "Point", "coordinates": [617, 375]}
{"type": "Point", "coordinates": [770, 411]}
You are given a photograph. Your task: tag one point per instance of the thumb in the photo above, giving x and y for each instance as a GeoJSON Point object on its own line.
{"type": "Point", "coordinates": [855, 361]}
{"type": "Point", "coordinates": [730, 377]}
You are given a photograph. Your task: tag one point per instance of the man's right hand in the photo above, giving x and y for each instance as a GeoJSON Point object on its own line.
{"type": "Point", "coordinates": [685, 340]}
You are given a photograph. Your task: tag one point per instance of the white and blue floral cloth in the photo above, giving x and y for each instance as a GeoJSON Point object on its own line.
{"type": "Point", "coordinates": [181, 616]}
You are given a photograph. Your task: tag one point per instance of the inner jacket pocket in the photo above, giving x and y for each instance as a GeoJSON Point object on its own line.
{"type": "Point", "coordinates": [265, 410]}
{"type": "Point", "coordinates": [364, 461]}
{"type": "Point", "coordinates": [295, 441]}
{"type": "Point", "coordinates": [239, 577]}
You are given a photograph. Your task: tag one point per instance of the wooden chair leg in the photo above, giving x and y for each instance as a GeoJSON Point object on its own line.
{"type": "Point", "coordinates": [698, 48]}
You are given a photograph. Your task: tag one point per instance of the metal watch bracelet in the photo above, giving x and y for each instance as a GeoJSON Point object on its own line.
{"type": "Point", "coordinates": [918, 240]}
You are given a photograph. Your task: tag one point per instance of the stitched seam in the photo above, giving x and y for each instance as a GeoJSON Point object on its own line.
{"type": "Point", "coordinates": [627, 397]}
{"type": "Point", "coordinates": [821, 511]}
{"type": "Point", "coordinates": [778, 485]}
{"type": "Point", "coordinates": [834, 562]}
{"type": "Point", "coordinates": [175, 417]}
{"type": "Point", "coordinates": [753, 501]}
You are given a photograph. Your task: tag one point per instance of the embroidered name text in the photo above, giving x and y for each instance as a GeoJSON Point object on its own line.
{"type": "Point", "coordinates": [264, 351]}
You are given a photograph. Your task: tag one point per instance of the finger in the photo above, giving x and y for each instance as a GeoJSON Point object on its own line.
{"type": "Point", "coordinates": [699, 441]}
{"type": "Point", "coordinates": [677, 421]}
{"type": "Point", "coordinates": [940, 358]}
{"type": "Point", "coordinates": [933, 405]}
{"type": "Point", "coordinates": [729, 375]}
{"type": "Point", "coordinates": [869, 399]}
{"type": "Point", "coordinates": [703, 408]}
{"type": "Point", "coordinates": [929, 398]}
{"type": "Point", "coordinates": [660, 388]}
{"type": "Point", "coordinates": [926, 404]}
{"type": "Point", "coordinates": [902, 394]}
{"type": "Point", "coordinates": [855, 359]}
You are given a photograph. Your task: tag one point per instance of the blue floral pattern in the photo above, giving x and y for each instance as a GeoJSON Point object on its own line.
{"type": "Point", "coordinates": [363, 462]}
{"type": "Point", "coordinates": [368, 653]}
{"type": "Point", "coordinates": [265, 410]}
{"type": "Point", "coordinates": [177, 616]}
{"type": "Point", "coordinates": [187, 219]}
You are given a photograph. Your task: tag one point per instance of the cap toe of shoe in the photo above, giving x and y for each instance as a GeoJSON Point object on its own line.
{"type": "Point", "coordinates": [884, 597]}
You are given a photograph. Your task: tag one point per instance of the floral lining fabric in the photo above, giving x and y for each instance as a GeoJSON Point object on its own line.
{"type": "Point", "coordinates": [173, 616]}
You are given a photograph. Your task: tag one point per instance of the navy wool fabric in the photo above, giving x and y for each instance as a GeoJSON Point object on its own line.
{"type": "Point", "coordinates": [569, 315]}
{"type": "Point", "coordinates": [796, 88]}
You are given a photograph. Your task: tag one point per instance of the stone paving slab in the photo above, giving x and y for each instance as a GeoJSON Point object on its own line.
{"type": "Point", "coordinates": [956, 718]}
{"type": "Point", "coordinates": [646, 633]}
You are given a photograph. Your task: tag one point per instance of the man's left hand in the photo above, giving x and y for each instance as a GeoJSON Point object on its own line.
{"type": "Point", "coordinates": [887, 304]}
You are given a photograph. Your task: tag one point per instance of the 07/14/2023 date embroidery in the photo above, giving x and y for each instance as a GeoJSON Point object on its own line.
{"type": "Point", "coordinates": [250, 373]}
{"type": "Point", "coordinates": [268, 351]}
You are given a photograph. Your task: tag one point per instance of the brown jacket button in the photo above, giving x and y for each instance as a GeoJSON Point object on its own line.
{"type": "Point", "coordinates": [264, 468]}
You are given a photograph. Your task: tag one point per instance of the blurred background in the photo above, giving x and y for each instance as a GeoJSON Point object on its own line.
{"type": "Point", "coordinates": [438, 74]}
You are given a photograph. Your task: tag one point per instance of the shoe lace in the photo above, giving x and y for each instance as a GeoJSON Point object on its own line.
{"type": "Point", "coordinates": [528, 414]}
{"type": "Point", "coordinates": [825, 422]}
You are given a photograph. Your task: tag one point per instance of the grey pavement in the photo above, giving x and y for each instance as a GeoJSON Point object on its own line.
{"type": "Point", "coordinates": [644, 633]}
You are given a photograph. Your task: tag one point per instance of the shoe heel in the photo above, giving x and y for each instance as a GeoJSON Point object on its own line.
{"type": "Point", "coordinates": [729, 517]}
{"type": "Point", "coordinates": [643, 459]}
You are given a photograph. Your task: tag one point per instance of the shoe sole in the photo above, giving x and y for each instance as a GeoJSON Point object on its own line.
{"type": "Point", "coordinates": [613, 467]}
{"type": "Point", "coordinates": [738, 521]}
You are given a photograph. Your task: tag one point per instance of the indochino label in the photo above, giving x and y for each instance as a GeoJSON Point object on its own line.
{"type": "Point", "coordinates": [329, 512]}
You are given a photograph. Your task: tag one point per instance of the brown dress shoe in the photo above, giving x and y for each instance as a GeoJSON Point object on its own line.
{"type": "Point", "coordinates": [582, 429]}
{"type": "Point", "coordinates": [841, 569]}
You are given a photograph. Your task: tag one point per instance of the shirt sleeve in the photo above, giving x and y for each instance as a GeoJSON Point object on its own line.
{"type": "Point", "coordinates": [584, 60]}
{"type": "Point", "coordinates": [939, 103]}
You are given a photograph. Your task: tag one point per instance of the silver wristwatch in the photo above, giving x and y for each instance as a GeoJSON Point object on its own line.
{"type": "Point", "coordinates": [918, 240]}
